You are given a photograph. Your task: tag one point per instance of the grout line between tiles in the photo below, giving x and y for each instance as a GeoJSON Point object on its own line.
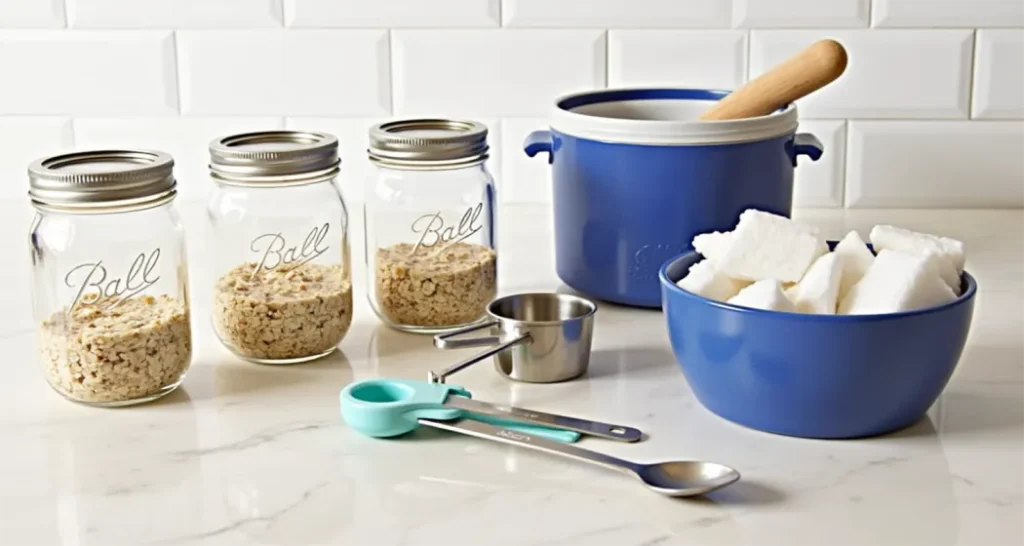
{"type": "Point", "coordinates": [750, 41]}
{"type": "Point", "coordinates": [178, 87]}
{"type": "Point", "coordinates": [391, 74]}
{"type": "Point", "coordinates": [847, 164]}
{"type": "Point", "coordinates": [607, 59]}
{"type": "Point", "coordinates": [972, 82]}
{"type": "Point", "coordinates": [846, 160]}
{"type": "Point", "coordinates": [72, 126]}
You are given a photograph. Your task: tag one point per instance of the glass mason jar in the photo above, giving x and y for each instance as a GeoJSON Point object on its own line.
{"type": "Point", "coordinates": [429, 214]}
{"type": "Point", "coordinates": [110, 276]}
{"type": "Point", "coordinates": [279, 246]}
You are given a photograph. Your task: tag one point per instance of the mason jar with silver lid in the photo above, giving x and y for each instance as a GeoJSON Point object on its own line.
{"type": "Point", "coordinates": [430, 227]}
{"type": "Point", "coordinates": [279, 246]}
{"type": "Point", "coordinates": [110, 276]}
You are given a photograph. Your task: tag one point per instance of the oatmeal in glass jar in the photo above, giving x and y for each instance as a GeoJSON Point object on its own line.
{"type": "Point", "coordinates": [110, 281]}
{"type": "Point", "coordinates": [283, 292]}
{"type": "Point", "coordinates": [429, 214]}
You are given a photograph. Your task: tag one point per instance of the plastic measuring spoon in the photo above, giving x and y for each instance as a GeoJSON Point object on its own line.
{"type": "Point", "coordinates": [391, 407]}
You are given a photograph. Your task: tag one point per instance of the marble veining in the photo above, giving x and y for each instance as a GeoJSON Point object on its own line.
{"type": "Point", "coordinates": [258, 455]}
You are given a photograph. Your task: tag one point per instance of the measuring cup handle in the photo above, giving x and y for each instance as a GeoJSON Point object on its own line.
{"type": "Point", "coordinates": [445, 341]}
{"type": "Point", "coordinates": [455, 368]}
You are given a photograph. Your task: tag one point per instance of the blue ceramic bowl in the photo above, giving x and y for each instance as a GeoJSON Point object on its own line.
{"type": "Point", "coordinates": [814, 376]}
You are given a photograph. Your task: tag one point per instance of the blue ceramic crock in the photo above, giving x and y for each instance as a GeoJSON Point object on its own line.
{"type": "Point", "coordinates": [636, 177]}
{"type": "Point", "coordinates": [814, 376]}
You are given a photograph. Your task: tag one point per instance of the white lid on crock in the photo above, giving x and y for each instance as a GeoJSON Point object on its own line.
{"type": "Point", "coordinates": [661, 117]}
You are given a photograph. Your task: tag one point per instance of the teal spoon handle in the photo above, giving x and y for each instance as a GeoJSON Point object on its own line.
{"type": "Point", "coordinates": [557, 435]}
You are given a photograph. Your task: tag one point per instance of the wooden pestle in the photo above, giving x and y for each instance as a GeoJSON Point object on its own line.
{"type": "Point", "coordinates": [809, 70]}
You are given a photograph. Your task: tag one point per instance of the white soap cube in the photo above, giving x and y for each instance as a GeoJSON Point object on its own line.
{"type": "Point", "coordinates": [712, 245]}
{"type": "Point", "coordinates": [704, 280]}
{"type": "Point", "coordinates": [818, 291]}
{"type": "Point", "coordinates": [856, 259]}
{"type": "Point", "coordinates": [764, 294]}
{"type": "Point", "coordinates": [767, 246]}
{"type": "Point", "coordinates": [885, 236]}
{"type": "Point", "coordinates": [893, 238]}
{"type": "Point", "coordinates": [896, 281]}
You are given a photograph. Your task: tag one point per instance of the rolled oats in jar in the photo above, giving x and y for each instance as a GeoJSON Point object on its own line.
{"type": "Point", "coordinates": [110, 281]}
{"type": "Point", "coordinates": [279, 242]}
{"type": "Point", "coordinates": [429, 215]}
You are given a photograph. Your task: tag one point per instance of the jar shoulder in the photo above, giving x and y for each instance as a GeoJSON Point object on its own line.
{"type": "Point", "coordinates": [395, 185]}
{"type": "Point", "coordinates": [61, 231]}
{"type": "Point", "coordinates": [234, 202]}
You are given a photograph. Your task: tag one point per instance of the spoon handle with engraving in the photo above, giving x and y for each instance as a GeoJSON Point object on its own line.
{"type": "Point", "coordinates": [597, 429]}
{"type": "Point", "coordinates": [489, 432]}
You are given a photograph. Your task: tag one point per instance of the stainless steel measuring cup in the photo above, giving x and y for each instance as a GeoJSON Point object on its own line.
{"type": "Point", "coordinates": [541, 337]}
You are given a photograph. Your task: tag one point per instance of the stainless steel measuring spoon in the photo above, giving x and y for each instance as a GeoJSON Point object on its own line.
{"type": "Point", "coordinates": [672, 478]}
{"type": "Point", "coordinates": [583, 426]}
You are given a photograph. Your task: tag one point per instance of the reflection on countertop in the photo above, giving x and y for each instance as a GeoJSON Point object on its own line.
{"type": "Point", "coordinates": [249, 454]}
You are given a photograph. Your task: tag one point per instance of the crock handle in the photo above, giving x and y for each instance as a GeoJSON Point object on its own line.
{"type": "Point", "coordinates": [807, 144]}
{"type": "Point", "coordinates": [537, 142]}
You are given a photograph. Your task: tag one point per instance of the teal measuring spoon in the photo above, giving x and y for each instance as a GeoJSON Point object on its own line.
{"type": "Point", "coordinates": [391, 407]}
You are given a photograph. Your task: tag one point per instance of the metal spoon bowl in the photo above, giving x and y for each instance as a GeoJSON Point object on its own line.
{"type": "Point", "coordinates": [686, 478]}
{"type": "Point", "coordinates": [672, 478]}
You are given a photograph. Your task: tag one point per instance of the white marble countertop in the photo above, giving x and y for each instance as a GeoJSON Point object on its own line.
{"type": "Point", "coordinates": [248, 454]}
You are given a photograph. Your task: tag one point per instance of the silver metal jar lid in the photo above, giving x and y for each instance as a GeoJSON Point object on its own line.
{"type": "Point", "coordinates": [274, 158]}
{"type": "Point", "coordinates": [428, 143]}
{"type": "Point", "coordinates": [102, 180]}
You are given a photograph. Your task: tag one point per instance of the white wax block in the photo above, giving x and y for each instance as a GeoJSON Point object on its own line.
{"type": "Point", "coordinates": [892, 236]}
{"type": "Point", "coordinates": [712, 245]}
{"type": "Point", "coordinates": [942, 266]}
{"type": "Point", "coordinates": [818, 291]}
{"type": "Point", "coordinates": [856, 259]}
{"type": "Point", "coordinates": [765, 294]}
{"type": "Point", "coordinates": [704, 280]}
{"type": "Point", "coordinates": [767, 246]}
{"type": "Point", "coordinates": [755, 215]}
{"type": "Point", "coordinates": [896, 281]}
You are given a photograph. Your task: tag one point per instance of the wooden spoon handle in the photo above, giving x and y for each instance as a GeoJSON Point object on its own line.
{"type": "Point", "coordinates": [807, 71]}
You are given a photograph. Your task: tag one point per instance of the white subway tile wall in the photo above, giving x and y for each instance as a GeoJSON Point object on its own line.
{"type": "Point", "coordinates": [801, 13]}
{"type": "Point", "coordinates": [948, 13]}
{"type": "Point", "coordinates": [929, 114]}
{"type": "Point", "coordinates": [921, 74]}
{"type": "Point", "coordinates": [174, 13]}
{"type": "Point", "coordinates": [32, 14]}
{"type": "Point", "coordinates": [819, 184]}
{"type": "Point", "coordinates": [392, 13]}
{"type": "Point", "coordinates": [55, 72]}
{"type": "Point", "coordinates": [692, 58]}
{"type": "Point", "coordinates": [279, 72]}
{"type": "Point", "coordinates": [617, 13]}
{"type": "Point", "coordinates": [24, 140]}
{"type": "Point", "coordinates": [492, 72]}
{"type": "Point", "coordinates": [999, 74]}
{"type": "Point", "coordinates": [935, 164]}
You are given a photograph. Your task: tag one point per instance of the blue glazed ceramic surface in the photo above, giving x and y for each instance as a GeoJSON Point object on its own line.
{"type": "Point", "coordinates": [814, 376]}
{"type": "Point", "coordinates": [631, 193]}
